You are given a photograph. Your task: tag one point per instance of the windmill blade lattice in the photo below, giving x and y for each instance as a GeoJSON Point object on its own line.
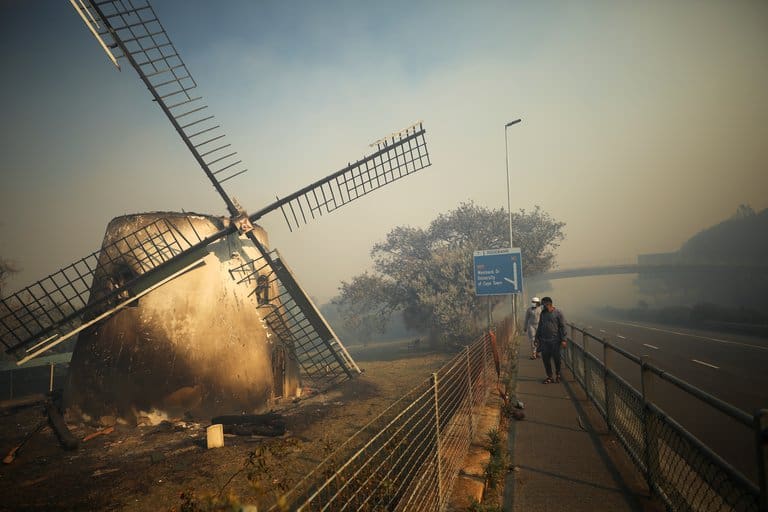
{"type": "Point", "coordinates": [292, 317]}
{"type": "Point", "coordinates": [398, 156]}
{"type": "Point", "coordinates": [53, 309]}
{"type": "Point", "coordinates": [131, 28]}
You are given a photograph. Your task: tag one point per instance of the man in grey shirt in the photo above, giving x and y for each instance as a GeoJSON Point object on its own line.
{"type": "Point", "coordinates": [550, 337]}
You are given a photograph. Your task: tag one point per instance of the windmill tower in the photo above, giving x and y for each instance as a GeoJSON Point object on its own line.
{"type": "Point", "coordinates": [150, 334]}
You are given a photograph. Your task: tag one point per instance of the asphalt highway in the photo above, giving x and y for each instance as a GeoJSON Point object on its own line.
{"type": "Point", "coordinates": [733, 368]}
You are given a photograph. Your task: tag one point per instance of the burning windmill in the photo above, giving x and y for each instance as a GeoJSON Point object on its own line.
{"type": "Point", "coordinates": [185, 311]}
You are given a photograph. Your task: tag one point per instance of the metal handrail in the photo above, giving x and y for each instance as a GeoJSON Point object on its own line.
{"type": "Point", "coordinates": [658, 430]}
{"type": "Point", "coordinates": [737, 414]}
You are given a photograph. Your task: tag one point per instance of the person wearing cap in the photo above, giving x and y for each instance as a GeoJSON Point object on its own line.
{"type": "Point", "coordinates": [532, 315]}
{"type": "Point", "coordinates": [550, 336]}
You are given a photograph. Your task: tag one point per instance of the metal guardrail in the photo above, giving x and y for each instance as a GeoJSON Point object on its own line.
{"type": "Point", "coordinates": [684, 472]}
{"type": "Point", "coordinates": [408, 457]}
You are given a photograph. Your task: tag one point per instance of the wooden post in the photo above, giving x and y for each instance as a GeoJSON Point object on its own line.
{"type": "Point", "coordinates": [50, 384]}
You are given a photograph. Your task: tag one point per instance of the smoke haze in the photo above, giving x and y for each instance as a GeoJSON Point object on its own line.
{"type": "Point", "coordinates": [643, 123]}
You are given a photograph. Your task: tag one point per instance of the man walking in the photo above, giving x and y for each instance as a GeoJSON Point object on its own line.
{"type": "Point", "coordinates": [550, 336]}
{"type": "Point", "coordinates": [532, 323]}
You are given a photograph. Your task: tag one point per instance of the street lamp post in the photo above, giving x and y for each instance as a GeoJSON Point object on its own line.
{"type": "Point", "coordinates": [509, 207]}
{"type": "Point", "coordinates": [506, 160]}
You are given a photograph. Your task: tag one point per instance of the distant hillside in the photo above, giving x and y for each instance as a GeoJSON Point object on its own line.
{"type": "Point", "coordinates": [741, 239]}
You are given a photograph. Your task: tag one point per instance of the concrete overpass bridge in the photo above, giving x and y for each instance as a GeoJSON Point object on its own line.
{"type": "Point", "coordinates": [719, 269]}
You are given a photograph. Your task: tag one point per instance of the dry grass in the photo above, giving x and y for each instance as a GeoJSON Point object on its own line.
{"type": "Point", "coordinates": [167, 467]}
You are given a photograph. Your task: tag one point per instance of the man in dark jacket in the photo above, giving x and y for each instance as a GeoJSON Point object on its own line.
{"type": "Point", "coordinates": [550, 336]}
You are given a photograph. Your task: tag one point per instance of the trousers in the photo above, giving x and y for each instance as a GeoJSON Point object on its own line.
{"type": "Point", "coordinates": [550, 352]}
{"type": "Point", "coordinates": [531, 337]}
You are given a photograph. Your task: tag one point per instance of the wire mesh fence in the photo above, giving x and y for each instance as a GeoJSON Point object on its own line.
{"type": "Point", "coordinates": [683, 471]}
{"type": "Point", "coordinates": [408, 457]}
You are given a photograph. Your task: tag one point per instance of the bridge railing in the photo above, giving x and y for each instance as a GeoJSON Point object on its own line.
{"type": "Point", "coordinates": [682, 470]}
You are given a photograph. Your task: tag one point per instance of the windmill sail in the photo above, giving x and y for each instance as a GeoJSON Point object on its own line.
{"type": "Point", "coordinates": [55, 308]}
{"type": "Point", "coordinates": [132, 30]}
{"type": "Point", "coordinates": [398, 156]}
{"type": "Point", "coordinates": [294, 319]}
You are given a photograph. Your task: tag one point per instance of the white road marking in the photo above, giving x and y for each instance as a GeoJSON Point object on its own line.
{"type": "Point", "coordinates": [705, 364]}
{"type": "Point", "coordinates": [620, 336]}
{"type": "Point", "coordinates": [601, 330]}
{"type": "Point", "coordinates": [718, 340]}
{"type": "Point", "coordinates": [650, 346]}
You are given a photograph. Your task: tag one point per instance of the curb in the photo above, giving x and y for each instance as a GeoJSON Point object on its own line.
{"type": "Point", "coordinates": [509, 479]}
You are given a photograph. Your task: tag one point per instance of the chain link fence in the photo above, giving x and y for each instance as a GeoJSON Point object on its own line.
{"type": "Point", "coordinates": [684, 472]}
{"type": "Point", "coordinates": [408, 457]}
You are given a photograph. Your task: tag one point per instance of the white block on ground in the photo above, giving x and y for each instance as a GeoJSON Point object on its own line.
{"type": "Point", "coordinates": [215, 436]}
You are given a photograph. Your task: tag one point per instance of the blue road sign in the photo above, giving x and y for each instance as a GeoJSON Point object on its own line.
{"type": "Point", "coordinates": [498, 272]}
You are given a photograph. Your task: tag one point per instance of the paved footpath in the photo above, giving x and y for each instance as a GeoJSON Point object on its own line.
{"type": "Point", "coordinates": [564, 457]}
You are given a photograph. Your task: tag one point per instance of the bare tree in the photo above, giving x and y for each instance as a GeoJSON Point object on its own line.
{"type": "Point", "coordinates": [427, 274]}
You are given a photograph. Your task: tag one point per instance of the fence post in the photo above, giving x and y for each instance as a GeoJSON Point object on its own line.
{"type": "Point", "coordinates": [646, 388]}
{"type": "Point", "coordinates": [607, 363]}
{"type": "Point", "coordinates": [437, 445]}
{"type": "Point", "coordinates": [470, 398]}
{"type": "Point", "coordinates": [585, 347]}
{"type": "Point", "coordinates": [485, 364]}
{"type": "Point", "coordinates": [761, 439]}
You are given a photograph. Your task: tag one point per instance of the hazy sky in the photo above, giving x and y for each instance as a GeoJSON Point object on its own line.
{"type": "Point", "coordinates": [643, 122]}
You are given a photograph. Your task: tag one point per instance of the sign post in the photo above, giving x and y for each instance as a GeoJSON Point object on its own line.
{"type": "Point", "coordinates": [498, 272]}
